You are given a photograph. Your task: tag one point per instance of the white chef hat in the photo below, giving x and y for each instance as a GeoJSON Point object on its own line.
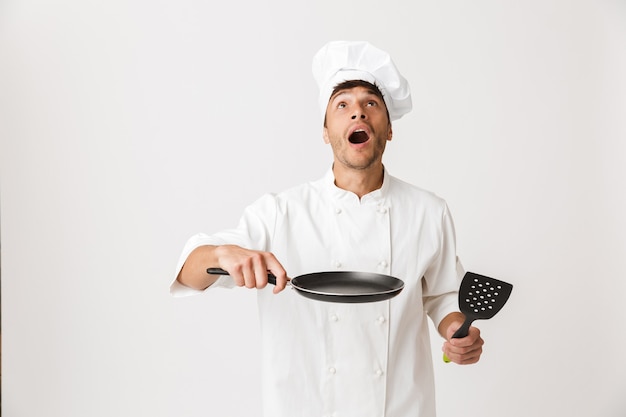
{"type": "Point", "coordinates": [340, 61]}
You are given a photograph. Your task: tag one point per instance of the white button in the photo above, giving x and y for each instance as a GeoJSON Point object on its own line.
{"type": "Point", "coordinates": [379, 372]}
{"type": "Point", "coordinates": [334, 318]}
{"type": "Point", "coordinates": [381, 319]}
{"type": "Point", "coordinates": [382, 210]}
{"type": "Point", "coordinates": [383, 264]}
{"type": "Point", "coordinates": [337, 264]}
{"type": "Point", "coordinates": [337, 210]}
{"type": "Point", "coordinates": [332, 370]}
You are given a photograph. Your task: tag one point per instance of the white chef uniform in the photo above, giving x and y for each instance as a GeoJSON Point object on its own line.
{"type": "Point", "coordinates": [349, 360]}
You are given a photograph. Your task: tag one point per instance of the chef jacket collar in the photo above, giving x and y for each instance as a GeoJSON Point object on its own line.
{"type": "Point", "coordinates": [375, 197]}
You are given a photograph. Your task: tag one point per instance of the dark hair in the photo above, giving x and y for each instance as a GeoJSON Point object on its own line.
{"type": "Point", "coordinates": [350, 84]}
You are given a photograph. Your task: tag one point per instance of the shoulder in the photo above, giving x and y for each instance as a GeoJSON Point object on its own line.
{"type": "Point", "coordinates": [301, 194]}
{"type": "Point", "coordinates": [407, 192]}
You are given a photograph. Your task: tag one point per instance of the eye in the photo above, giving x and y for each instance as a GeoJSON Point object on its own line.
{"type": "Point", "coordinates": [372, 103]}
{"type": "Point", "coordinates": [341, 105]}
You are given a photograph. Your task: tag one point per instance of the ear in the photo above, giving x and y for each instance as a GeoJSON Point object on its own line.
{"type": "Point", "coordinates": [390, 135]}
{"type": "Point", "coordinates": [325, 136]}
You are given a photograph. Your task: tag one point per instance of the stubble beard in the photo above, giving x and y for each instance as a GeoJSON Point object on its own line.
{"type": "Point", "coordinates": [359, 165]}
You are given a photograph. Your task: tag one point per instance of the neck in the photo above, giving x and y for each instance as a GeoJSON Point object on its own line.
{"type": "Point", "coordinates": [359, 181]}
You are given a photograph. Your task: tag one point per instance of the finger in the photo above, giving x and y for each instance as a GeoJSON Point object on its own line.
{"type": "Point", "coordinates": [473, 336]}
{"type": "Point", "coordinates": [454, 326]}
{"type": "Point", "coordinates": [249, 275]}
{"type": "Point", "coordinates": [237, 277]}
{"type": "Point", "coordinates": [464, 355]}
{"type": "Point", "coordinates": [235, 273]}
{"type": "Point", "coordinates": [470, 357]}
{"type": "Point", "coordinates": [462, 347]}
{"type": "Point", "coordinates": [464, 359]}
{"type": "Point", "coordinates": [260, 272]}
{"type": "Point", "coordinates": [281, 282]}
{"type": "Point", "coordinates": [278, 271]}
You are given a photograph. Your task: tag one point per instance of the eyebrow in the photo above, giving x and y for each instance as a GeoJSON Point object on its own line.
{"type": "Point", "coordinates": [370, 92]}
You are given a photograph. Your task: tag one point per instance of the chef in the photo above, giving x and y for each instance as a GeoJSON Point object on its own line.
{"type": "Point", "coordinates": [334, 359]}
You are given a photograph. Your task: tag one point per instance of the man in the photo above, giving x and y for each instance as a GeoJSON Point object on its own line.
{"type": "Point", "coordinates": [333, 359]}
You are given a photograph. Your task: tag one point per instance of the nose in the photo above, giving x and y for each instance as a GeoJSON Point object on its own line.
{"type": "Point", "coordinates": [358, 113]}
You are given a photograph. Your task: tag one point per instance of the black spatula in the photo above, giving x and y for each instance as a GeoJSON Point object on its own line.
{"type": "Point", "coordinates": [480, 298]}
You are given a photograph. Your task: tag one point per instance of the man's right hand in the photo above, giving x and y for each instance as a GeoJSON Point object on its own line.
{"type": "Point", "coordinates": [248, 268]}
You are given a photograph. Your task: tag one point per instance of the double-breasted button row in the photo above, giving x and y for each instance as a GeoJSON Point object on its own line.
{"type": "Point", "coordinates": [379, 320]}
{"type": "Point", "coordinates": [381, 265]}
{"type": "Point", "coordinates": [378, 372]}
{"type": "Point", "coordinates": [380, 209]}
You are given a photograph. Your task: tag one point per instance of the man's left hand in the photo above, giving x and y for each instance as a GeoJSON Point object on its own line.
{"type": "Point", "coordinates": [466, 350]}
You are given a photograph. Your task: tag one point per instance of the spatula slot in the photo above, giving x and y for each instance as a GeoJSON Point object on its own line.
{"type": "Point", "coordinates": [483, 296]}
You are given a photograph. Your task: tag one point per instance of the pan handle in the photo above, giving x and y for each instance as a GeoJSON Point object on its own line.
{"type": "Point", "coordinates": [219, 271]}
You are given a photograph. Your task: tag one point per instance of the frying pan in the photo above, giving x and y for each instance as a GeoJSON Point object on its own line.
{"type": "Point", "coordinates": [480, 298]}
{"type": "Point", "coordinates": [340, 286]}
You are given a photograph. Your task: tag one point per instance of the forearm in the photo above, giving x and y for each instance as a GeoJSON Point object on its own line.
{"type": "Point", "coordinates": [193, 273]}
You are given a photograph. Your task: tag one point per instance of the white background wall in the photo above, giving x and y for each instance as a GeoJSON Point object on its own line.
{"type": "Point", "coordinates": [128, 125]}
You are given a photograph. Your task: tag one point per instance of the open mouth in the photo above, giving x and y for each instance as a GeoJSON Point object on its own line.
{"type": "Point", "coordinates": [358, 136]}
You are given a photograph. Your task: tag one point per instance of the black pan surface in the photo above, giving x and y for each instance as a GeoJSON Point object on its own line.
{"type": "Point", "coordinates": [347, 286]}
{"type": "Point", "coordinates": [341, 286]}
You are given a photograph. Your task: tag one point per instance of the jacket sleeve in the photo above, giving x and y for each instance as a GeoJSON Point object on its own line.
{"type": "Point", "coordinates": [254, 231]}
{"type": "Point", "coordinates": [443, 277]}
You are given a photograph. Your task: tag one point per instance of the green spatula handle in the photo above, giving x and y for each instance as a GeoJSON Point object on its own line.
{"type": "Point", "coordinates": [460, 333]}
